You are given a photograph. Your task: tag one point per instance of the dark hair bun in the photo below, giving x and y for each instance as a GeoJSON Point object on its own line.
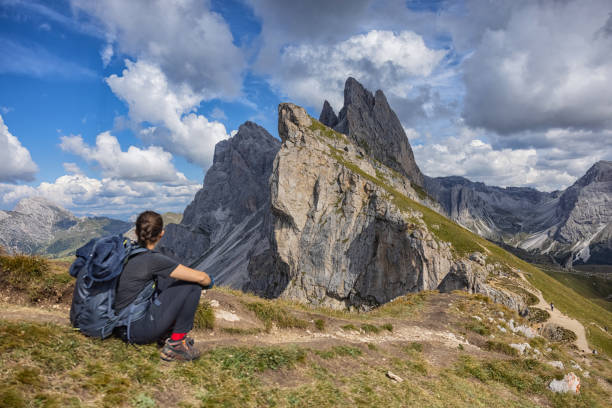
{"type": "Point", "coordinates": [149, 226]}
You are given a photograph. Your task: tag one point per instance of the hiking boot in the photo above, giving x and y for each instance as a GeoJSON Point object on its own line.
{"type": "Point", "coordinates": [179, 350]}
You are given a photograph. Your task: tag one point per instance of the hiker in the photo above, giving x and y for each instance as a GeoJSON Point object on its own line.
{"type": "Point", "coordinates": [176, 298]}
{"type": "Point", "coordinates": [552, 307]}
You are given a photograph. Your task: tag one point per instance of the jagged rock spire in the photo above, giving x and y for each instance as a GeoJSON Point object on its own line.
{"type": "Point", "coordinates": [371, 123]}
{"type": "Point", "coordinates": [328, 116]}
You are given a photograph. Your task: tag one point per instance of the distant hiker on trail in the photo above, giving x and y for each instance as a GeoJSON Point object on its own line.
{"type": "Point", "coordinates": [552, 307]}
{"type": "Point", "coordinates": [176, 298]}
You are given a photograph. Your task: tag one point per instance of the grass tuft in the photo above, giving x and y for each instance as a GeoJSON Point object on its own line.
{"type": "Point", "coordinates": [204, 317]}
{"type": "Point", "coordinates": [338, 351]}
{"type": "Point", "coordinates": [478, 327]}
{"type": "Point", "coordinates": [269, 313]}
{"type": "Point", "coordinates": [11, 397]}
{"type": "Point", "coordinates": [521, 374]}
{"type": "Point", "coordinates": [501, 348]}
{"type": "Point", "coordinates": [320, 324]}
{"type": "Point", "coordinates": [414, 346]}
{"type": "Point", "coordinates": [370, 328]}
{"type": "Point", "coordinates": [387, 326]}
{"type": "Point", "coordinates": [243, 362]}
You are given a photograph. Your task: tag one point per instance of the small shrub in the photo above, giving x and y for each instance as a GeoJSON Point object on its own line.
{"type": "Point", "coordinates": [387, 326]}
{"type": "Point", "coordinates": [478, 327]}
{"type": "Point", "coordinates": [481, 297]}
{"type": "Point", "coordinates": [10, 397]}
{"type": "Point", "coordinates": [558, 333]}
{"type": "Point", "coordinates": [537, 315]}
{"type": "Point", "coordinates": [414, 346]}
{"type": "Point", "coordinates": [29, 376]}
{"type": "Point", "coordinates": [418, 366]}
{"type": "Point", "coordinates": [320, 324]}
{"type": "Point", "coordinates": [349, 327]}
{"type": "Point", "coordinates": [537, 342]}
{"type": "Point", "coordinates": [204, 317]}
{"type": "Point", "coordinates": [501, 348]}
{"type": "Point", "coordinates": [372, 346]}
{"type": "Point", "coordinates": [269, 313]}
{"type": "Point", "coordinates": [346, 351]}
{"type": "Point", "coordinates": [370, 328]}
{"type": "Point", "coordinates": [142, 400]}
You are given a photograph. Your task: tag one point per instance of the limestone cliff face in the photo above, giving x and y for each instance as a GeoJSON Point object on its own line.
{"type": "Point", "coordinates": [338, 237]}
{"type": "Point", "coordinates": [369, 122]}
{"type": "Point", "coordinates": [224, 225]}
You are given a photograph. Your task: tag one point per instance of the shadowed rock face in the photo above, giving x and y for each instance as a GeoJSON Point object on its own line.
{"type": "Point", "coordinates": [370, 122]}
{"type": "Point", "coordinates": [223, 226]}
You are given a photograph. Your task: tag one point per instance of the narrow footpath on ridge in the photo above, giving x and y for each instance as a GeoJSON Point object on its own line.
{"type": "Point", "coordinates": [561, 319]}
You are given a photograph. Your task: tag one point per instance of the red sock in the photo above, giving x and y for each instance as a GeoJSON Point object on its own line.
{"type": "Point", "coordinates": [178, 336]}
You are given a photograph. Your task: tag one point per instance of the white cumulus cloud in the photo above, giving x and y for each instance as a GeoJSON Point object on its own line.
{"type": "Point", "coordinates": [379, 59]}
{"type": "Point", "coordinates": [106, 196]}
{"type": "Point", "coordinates": [190, 43]}
{"type": "Point", "coordinates": [151, 164]}
{"type": "Point", "coordinates": [15, 160]}
{"type": "Point", "coordinates": [151, 98]}
{"type": "Point", "coordinates": [470, 156]}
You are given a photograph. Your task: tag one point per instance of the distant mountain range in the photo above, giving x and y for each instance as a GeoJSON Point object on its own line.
{"type": "Point", "coordinates": [573, 226]}
{"type": "Point", "coordinates": [38, 226]}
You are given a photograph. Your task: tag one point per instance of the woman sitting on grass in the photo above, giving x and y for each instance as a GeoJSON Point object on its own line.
{"type": "Point", "coordinates": [177, 294]}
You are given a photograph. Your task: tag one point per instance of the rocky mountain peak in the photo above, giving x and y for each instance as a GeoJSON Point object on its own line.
{"type": "Point", "coordinates": [221, 227]}
{"type": "Point", "coordinates": [328, 116]}
{"type": "Point", "coordinates": [37, 225]}
{"type": "Point", "coordinates": [599, 172]}
{"type": "Point", "coordinates": [40, 205]}
{"type": "Point", "coordinates": [346, 230]}
{"type": "Point", "coordinates": [369, 121]}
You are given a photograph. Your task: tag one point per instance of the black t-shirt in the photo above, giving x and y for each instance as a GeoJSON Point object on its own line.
{"type": "Point", "coordinates": [138, 271]}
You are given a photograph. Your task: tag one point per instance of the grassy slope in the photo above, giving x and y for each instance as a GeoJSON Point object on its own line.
{"type": "Point", "coordinates": [52, 366]}
{"type": "Point", "coordinates": [465, 241]}
{"type": "Point", "coordinates": [594, 288]}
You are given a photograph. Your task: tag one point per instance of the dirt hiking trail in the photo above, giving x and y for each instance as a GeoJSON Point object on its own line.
{"type": "Point", "coordinates": [557, 317]}
{"type": "Point", "coordinates": [227, 316]}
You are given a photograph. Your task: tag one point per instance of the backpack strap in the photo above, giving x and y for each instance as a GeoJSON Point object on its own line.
{"type": "Point", "coordinates": [137, 309]}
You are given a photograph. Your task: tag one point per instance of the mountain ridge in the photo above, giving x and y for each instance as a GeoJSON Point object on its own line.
{"type": "Point", "coordinates": [560, 224]}
{"type": "Point", "coordinates": [39, 226]}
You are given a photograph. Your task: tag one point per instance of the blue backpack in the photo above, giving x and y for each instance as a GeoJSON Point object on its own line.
{"type": "Point", "coordinates": [97, 269]}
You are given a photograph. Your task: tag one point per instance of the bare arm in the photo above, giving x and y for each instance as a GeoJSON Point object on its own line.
{"type": "Point", "coordinates": [182, 272]}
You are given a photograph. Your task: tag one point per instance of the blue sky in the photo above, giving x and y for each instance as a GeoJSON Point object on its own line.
{"type": "Point", "coordinates": [111, 107]}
